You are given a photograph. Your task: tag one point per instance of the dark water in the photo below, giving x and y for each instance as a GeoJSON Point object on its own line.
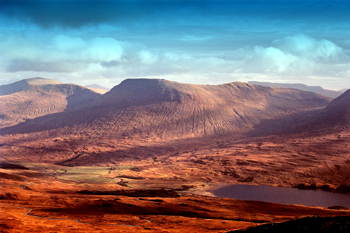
{"type": "Point", "coordinates": [283, 195]}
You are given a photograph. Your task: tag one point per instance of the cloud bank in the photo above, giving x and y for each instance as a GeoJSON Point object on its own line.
{"type": "Point", "coordinates": [188, 41]}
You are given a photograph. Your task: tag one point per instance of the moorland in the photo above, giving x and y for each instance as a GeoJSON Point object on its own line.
{"type": "Point", "coordinates": [145, 155]}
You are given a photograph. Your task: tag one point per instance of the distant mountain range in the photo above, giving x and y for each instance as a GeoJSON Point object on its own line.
{"type": "Point", "coordinates": [98, 88]}
{"type": "Point", "coordinates": [44, 120]}
{"type": "Point", "coordinates": [315, 89]}
{"type": "Point", "coordinates": [156, 108]}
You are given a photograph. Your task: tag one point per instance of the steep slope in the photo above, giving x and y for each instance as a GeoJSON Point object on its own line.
{"type": "Point", "coordinates": [334, 118]}
{"type": "Point", "coordinates": [159, 108]}
{"type": "Point", "coordinates": [316, 89]}
{"type": "Point", "coordinates": [337, 113]}
{"type": "Point", "coordinates": [31, 98]}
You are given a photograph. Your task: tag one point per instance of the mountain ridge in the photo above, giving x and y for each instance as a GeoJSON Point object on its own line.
{"type": "Point", "coordinates": [32, 98]}
{"type": "Point", "coordinates": [162, 108]}
{"type": "Point", "coordinates": [315, 89]}
{"type": "Point", "coordinates": [25, 84]}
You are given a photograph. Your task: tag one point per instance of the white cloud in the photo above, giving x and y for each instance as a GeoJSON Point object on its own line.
{"type": "Point", "coordinates": [310, 48]}
{"type": "Point", "coordinates": [66, 43]}
{"type": "Point", "coordinates": [60, 53]}
{"type": "Point", "coordinates": [105, 49]}
{"type": "Point", "coordinates": [298, 55]}
{"type": "Point", "coordinates": [290, 58]}
{"type": "Point", "coordinates": [147, 57]}
{"type": "Point", "coordinates": [270, 59]}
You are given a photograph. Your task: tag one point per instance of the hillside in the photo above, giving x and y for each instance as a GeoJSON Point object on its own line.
{"type": "Point", "coordinates": [165, 109]}
{"type": "Point", "coordinates": [316, 89]}
{"type": "Point", "coordinates": [337, 113]}
{"type": "Point", "coordinates": [32, 98]}
{"type": "Point", "coordinates": [334, 118]}
{"type": "Point", "coordinates": [169, 132]}
{"type": "Point", "coordinates": [25, 84]}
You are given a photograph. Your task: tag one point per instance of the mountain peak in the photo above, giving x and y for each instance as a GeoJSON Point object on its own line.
{"type": "Point", "coordinates": [26, 83]}
{"type": "Point", "coordinates": [143, 91]}
{"type": "Point", "coordinates": [40, 81]}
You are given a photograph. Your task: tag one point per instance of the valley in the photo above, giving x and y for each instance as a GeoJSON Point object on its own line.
{"type": "Point", "coordinates": [146, 154]}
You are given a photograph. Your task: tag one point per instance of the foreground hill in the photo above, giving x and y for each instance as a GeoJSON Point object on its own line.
{"type": "Point", "coordinates": [316, 89]}
{"type": "Point", "coordinates": [31, 98]}
{"type": "Point", "coordinates": [165, 109]}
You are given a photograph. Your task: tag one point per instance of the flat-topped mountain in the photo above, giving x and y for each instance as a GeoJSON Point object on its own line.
{"type": "Point", "coordinates": [32, 98]}
{"type": "Point", "coordinates": [316, 89]}
{"type": "Point", "coordinates": [25, 84]}
{"type": "Point", "coordinates": [161, 108]}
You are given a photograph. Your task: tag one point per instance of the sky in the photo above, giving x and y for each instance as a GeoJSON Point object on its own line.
{"type": "Point", "coordinates": [200, 42]}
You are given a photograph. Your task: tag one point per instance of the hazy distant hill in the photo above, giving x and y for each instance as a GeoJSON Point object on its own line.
{"type": "Point", "coordinates": [31, 98]}
{"type": "Point", "coordinates": [98, 88]}
{"type": "Point", "coordinates": [160, 108]}
{"type": "Point", "coordinates": [316, 89]}
{"type": "Point", "coordinates": [343, 90]}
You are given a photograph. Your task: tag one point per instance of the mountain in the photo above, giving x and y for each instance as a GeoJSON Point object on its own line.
{"type": "Point", "coordinates": [31, 98]}
{"type": "Point", "coordinates": [155, 108]}
{"type": "Point", "coordinates": [25, 84]}
{"type": "Point", "coordinates": [316, 89]}
{"type": "Point", "coordinates": [334, 118]}
{"type": "Point", "coordinates": [98, 88]}
{"type": "Point", "coordinates": [337, 113]}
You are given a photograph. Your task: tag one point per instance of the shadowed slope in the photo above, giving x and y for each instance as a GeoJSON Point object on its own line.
{"type": "Point", "coordinates": [335, 117]}
{"type": "Point", "coordinates": [165, 109]}
{"type": "Point", "coordinates": [31, 98]}
{"type": "Point", "coordinates": [304, 225]}
{"type": "Point", "coordinates": [337, 113]}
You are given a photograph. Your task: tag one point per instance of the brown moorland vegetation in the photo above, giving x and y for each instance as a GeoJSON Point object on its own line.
{"type": "Point", "coordinates": [161, 135]}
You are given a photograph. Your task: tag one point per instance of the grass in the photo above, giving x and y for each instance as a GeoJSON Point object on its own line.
{"type": "Point", "coordinates": [86, 174]}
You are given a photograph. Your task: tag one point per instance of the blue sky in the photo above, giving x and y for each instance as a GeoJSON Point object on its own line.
{"type": "Point", "coordinates": [204, 42]}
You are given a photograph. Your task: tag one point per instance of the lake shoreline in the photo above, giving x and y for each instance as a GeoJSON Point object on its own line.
{"type": "Point", "coordinates": [283, 195]}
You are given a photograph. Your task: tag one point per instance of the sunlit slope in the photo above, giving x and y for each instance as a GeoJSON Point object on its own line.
{"type": "Point", "coordinates": [161, 108]}
{"type": "Point", "coordinates": [32, 98]}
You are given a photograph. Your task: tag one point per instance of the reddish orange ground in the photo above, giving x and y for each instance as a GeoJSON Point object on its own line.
{"type": "Point", "coordinates": [50, 188]}
{"type": "Point", "coordinates": [275, 160]}
{"type": "Point", "coordinates": [54, 197]}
